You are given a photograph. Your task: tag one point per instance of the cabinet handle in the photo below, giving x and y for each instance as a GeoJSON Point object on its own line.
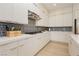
{"type": "Point", "coordinates": [16, 47]}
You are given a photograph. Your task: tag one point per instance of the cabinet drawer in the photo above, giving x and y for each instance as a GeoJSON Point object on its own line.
{"type": "Point", "coordinates": [9, 49]}
{"type": "Point", "coordinates": [9, 45]}
{"type": "Point", "coordinates": [31, 46]}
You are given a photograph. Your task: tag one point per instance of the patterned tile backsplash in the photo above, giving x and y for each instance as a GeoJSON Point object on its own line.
{"type": "Point", "coordinates": [2, 29]}
{"type": "Point", "coordinates": [31, 29]}
{"type": "Point", "coordinates": [28, 29]}
{"type": "Point", "coordinates": [64, 29]}
{"type": "Point", "coordinates": [12, 25]}
{"type": "Point", "coordinates": [8, 27]}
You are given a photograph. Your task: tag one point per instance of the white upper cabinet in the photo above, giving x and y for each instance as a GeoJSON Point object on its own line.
{"type": "Point", "coordinates": [59, 20]}
{"type": "Point", "coordinates": [18, 13]}
{"type": "Point", "coordinates": [13, 12]}
{"type": "Point", "coordinates": [32, 7]}
{"type": "Point", "coordinates": [6, 12]}
{"type": "Point", "coordinates": [76, 11]}
{"type": "Point", "coordinates": [39, 10]}
{"type": "Point", "coordinates": [67, 19]}
{"type": "Point", "coordinates": [61, 17]}
{"type": "Point", "coordinates": [21, 13]}
{"type": "Point", "coordinates": [56, 20]}
{"type": "Point", "coordinates": [44, 17]}
{"type": "Point", "coordinates": [52, 20]}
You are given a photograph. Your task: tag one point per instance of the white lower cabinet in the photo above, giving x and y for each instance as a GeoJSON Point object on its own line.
{"type": "Point", "coordinates": [9, 49]}
{"type": "Point", "coordinates": [21, 50]}
{"type": "Point", "coordinates": [25, 46]}
{"type": "Point", "coordinates": [60, 36]}
{"type": "Point", "coordinates": [33, 45]}
{"type": "Point", "coordinates": [30, 46]}
{"type": "Point", "coordinates": [73, 48]}
{"type": "Point", "coordinates": [8, 52]}
{"type": "Point", "coordinates": [12, 49]}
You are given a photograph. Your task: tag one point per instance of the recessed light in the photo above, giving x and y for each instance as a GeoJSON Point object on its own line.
{"type": "Point", "coordinates": [54, 4]}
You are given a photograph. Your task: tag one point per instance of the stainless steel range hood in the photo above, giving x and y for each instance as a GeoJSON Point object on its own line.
{"type": "Point", "coordinates": [33, 16]}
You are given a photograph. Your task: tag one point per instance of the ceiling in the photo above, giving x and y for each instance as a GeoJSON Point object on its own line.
{"type": "Point", "coordinates": [53, 6]}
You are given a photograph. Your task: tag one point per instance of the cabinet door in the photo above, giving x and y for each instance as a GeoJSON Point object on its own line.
{"type": "Point", "coordinates": [59, 20]}
{"type": "Point", "coordinates": [73, 48]}
{"type": "Point", "coordinates": [6, 12]}
{"type": "Point", "coordinates": [14, 12]}
{"type": "Point", "coordinates": [76, 11]}
{"type": "Point", "coordinates": [9, 52]}
{"type": "Point", "coordinates": [21, 50]}
{"type": "Point", "coordinates": [17, 50]}
{"type": "Point", "coordinates": [43, 21]}
{"type": "Point", "coordinates": [67, 19]}
{"type": "Point", "coordinates": [30, 47]}
{"type": "Point", "coordinates": [76, 48]}
{"type": "Point", "coordinates": [21, 13]}
{"type": "Point", "coordinates": [42, 40]}
{"type": "Point", "coordinates": [32, 7]}
{"type": "Point", "coordinates": [36, 9]}
{"type": "Point", "coordinates": [10, 49]}
{"type": "Point", "coordinates": [56, 20]}
{"type": "Point", "coordinates": [52, 20]}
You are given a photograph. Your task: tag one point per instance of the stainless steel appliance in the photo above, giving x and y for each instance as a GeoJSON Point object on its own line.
{"type": "Point", "coordinates": [76, 26]}
{"type": "Point", "coordinates": [32, 15]}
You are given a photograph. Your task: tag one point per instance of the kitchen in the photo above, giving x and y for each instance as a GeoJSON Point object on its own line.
{"type": "Point", "coordinates": [39, 29]}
